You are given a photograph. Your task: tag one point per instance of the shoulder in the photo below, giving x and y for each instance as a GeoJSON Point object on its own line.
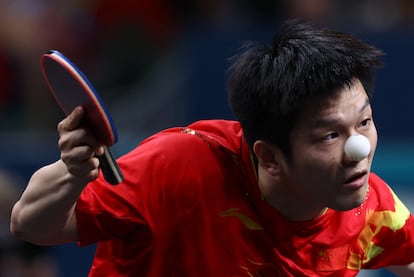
{"type": "Point", "coordinates": [192, 140]}
{"type": "Point", "coordinates": [202, 148]}
{"type": "Point", "coordinates": [384, 201]}
{"type": "Point", "coordinates": [379, 187]}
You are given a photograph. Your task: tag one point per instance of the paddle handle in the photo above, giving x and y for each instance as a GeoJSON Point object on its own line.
{"type": "Point", "coordinates": [110, 169]}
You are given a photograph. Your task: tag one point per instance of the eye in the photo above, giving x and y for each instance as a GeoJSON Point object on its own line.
{"type": "Point", "coordinates": [365, 122]}
{"type": "Point", "coordinates": [330, 136]}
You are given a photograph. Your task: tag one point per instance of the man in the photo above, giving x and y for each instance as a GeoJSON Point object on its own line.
{"type": "Point", "coordinates": [273, 194]}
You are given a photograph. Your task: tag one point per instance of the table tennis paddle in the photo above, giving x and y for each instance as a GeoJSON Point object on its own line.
{"type": "Point", "coordinates": [71, 88]}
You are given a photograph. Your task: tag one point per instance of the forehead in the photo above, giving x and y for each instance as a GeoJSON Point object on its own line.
{"type": "Point", "coordinates": [345, 103]}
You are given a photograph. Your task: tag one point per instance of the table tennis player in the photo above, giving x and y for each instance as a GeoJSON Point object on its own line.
{"type": "Point", "coordinates": [271, 194]}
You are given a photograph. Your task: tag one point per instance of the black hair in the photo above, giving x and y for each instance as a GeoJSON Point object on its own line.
{"type": "Point", "coordinates": [269, 85]}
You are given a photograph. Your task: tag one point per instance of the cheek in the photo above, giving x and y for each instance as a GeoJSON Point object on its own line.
{"type": "Point", "coordinates": [312, 177]}
{"type": "Point", "coordinates": [316, 164]}
{"type": "Point", "coordinates": [315, 172]}
{"type": "Point", "coordinates": [373, 139]}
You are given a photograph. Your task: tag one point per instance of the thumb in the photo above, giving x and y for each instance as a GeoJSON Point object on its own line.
{"type": "Point", "coordinates": [73, 120]}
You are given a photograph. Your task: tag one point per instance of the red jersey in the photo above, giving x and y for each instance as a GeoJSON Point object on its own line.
{"type": "Point", "coordinates": [190, 206]}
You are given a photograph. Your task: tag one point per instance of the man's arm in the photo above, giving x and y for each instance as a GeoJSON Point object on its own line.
{"type": "Point", "coordinates": [45, 213]}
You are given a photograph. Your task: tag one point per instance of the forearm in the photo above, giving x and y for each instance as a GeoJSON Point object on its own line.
{"type": "Point", "coordinates": [46, 207]}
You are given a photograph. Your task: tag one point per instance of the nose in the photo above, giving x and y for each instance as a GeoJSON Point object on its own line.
{"type": "Point", "coordinates": [357, 147]}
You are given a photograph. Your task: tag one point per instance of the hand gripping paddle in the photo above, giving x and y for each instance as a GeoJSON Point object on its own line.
{"type": "Point", "coordinates": [71, 88]}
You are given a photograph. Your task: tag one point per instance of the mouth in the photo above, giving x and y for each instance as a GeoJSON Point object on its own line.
{"type": "Point", "coordinates": [356, 181]}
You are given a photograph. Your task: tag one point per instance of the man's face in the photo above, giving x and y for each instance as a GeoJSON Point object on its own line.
{"type": "Point", "coordinates": [320, 173]}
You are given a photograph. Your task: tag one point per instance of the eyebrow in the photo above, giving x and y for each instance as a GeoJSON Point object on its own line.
{"type": "Point", "coordinates": [323, 122]}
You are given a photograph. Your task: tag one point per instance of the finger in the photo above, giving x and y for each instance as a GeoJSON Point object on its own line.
{"type": "Point", "coordinates": [72, 121]}
{"type": "Point", "coordinates": [78, 137]}
{"type": "Point", "coordinates": [78, 155]}
{"type": "Point", "coordinates": [88, 169]}
{"type": "Point", "coordinates": [81, 162]}
{"type": "Point", "coordinates": [100, 151]}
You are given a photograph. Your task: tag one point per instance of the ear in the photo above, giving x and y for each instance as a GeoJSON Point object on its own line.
{"type": "Point", "coordinates": [269, 157]}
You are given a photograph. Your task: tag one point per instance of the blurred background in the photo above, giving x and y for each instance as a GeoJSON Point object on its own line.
{"type": "Point", "coordinates": [162, 63]}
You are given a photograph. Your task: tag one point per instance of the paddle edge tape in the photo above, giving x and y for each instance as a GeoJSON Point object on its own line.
{"type": "Point", "coordinates": [76, 73]}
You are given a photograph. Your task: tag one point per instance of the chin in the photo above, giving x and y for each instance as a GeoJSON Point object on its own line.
{"type": "Point", "coordinates": [349, 202]}
{"type": "Point", "coordinates": [350, 206]}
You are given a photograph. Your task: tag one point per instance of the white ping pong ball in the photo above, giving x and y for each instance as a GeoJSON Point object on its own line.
{"type": "Point", "coordinates": [357, 147]}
